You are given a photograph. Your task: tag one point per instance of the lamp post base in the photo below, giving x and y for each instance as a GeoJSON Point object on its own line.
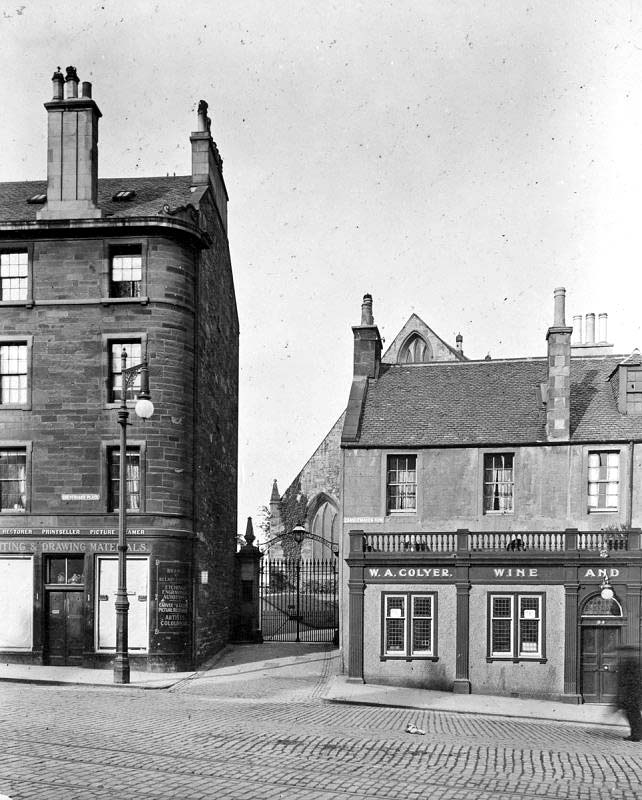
{"type": "Point", "coordinates": [121, 670]}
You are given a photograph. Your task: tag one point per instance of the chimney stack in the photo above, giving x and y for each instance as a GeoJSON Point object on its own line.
{"type": "Point", "coordinates": [558, 405]}
{"type": "Point", "coordinates": [72, 151]}
{"type": "Point", "coordinates": [367, 359]}
{"type": "Point", "coordinates": [577, 329]}
{"type": "Point", "coordinates": [207, 164]}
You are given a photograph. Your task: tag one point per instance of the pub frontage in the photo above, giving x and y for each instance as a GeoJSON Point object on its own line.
{"type": "Point", "coordinates": [57, 595]}
{"type": "Point", "coordinates": [528, 614]}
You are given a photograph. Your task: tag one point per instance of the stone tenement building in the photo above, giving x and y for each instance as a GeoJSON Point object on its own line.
{"type": "Point", "coordinates": [89, 267]}
{"type": "Point", "coordinates": [491, 516]}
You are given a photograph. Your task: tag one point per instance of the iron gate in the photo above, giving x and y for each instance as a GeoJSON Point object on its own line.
{"type": "Point", "coordinates": [299, 600]}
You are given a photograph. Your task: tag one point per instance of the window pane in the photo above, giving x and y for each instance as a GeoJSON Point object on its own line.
{"type": "Point", "coordinates": [422, 606]}
{"type": "Point", "coordinates": [501, 636]}
{"type": "Point", "coordinates": [133, 479]}
{"type": "Point", "coordinates": [395, 636]}
{"type": "Point", "coordinates": [402, 483]}
{"type": "Point", "coordinates": [603, 480]}
{"type": "Point", "coordinates": [498, 482]}
{"type": "Point", "coordinates": [13, 484]}
{"type": "Point", "coordinates": [13, 276]}
{"type": "Point", "coordinates": [502, 606]}
{"type": "Point", "coordinates": [134, 357]}
{"type": "Point", "coordinates": [422, 635]}
{"type": "Point", "coordinates": [126, 273]}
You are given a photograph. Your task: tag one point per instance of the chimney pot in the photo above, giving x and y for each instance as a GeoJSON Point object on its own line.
{"type": "Point", "coordinates": [58, 82]}
{"type": "Point", "coordinates": [460, 340]}
{"type": "Point", "coordinates": [560, 311]}
{"type": "Point", "coordinates": [366, 310]}
{"type": "Point", "coordinates": [602, 322]}
{"type": "Point", "coordinates": [590, 329]}
{"type": "Point", "coordinates": [203, 121]}
{"type": "Point", "coordinates": [71, 83]}
{"type": "Point", "coordinates": [86, 89]}
{"type": "Point", "coordinates": [577, 329]}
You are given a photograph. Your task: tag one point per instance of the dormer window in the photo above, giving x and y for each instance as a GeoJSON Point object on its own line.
{"type": "Point", "coordinates": [37, 199]}
{"type": "Point", "coordinates": [634, 390]}
{"type": "Point", "coordinates": [415, 351]}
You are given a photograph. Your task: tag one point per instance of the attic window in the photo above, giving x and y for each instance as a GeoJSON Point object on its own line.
{"type": "Point", "coordinates": [124, 195]}
{"type": "Point", "coordinates": [634, 390]}
{"type": "Point", "coordinates": [37, 199]}
{"type": "Point", "coordinates": [416, 350]}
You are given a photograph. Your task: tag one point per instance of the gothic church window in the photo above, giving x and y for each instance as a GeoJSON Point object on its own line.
{"type": "Point", "coordinates": [415, 351]}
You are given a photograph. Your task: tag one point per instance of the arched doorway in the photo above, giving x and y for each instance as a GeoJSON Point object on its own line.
{"type": "Point", "coordinates": [601, 625]}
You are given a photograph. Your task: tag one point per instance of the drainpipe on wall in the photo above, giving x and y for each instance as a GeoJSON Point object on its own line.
{"type": "Point", "coordinates": [629, 515]}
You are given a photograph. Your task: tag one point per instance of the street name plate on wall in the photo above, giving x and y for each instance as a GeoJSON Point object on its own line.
{"type": "Point", "coordinates": [80, 497]}
{"type": "Point", "coordinates": [173, 590]}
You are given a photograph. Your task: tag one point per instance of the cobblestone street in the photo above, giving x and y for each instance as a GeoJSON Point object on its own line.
{"type": "Point", "coordinates": [267, 733]}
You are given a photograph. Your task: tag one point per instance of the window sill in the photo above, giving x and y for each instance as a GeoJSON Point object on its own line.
{"type": "Point", "coordinates": [408, 658]}
{"type": "Point", "coordinates": [15, 406]}
{"type": "Point", "coordinates": [143, 300]}
{"type": "Point", "coordinates": [490, 513]}
{"type": "Point", "coordinates": [17, 303]}
{"type": "Point", "coordinates": [528, 659]}
{"type": "Point", "coordinates": [602, 510]}
{"type": "Point", "coordinates": [407, 512]}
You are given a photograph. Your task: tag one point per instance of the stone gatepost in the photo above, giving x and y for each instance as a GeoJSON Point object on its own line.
{"type": "Point", "coordinates": [247, 626]}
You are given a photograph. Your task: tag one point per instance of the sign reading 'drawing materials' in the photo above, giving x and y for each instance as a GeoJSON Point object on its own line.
{"type": "Point", "coordinates": [173, 588]}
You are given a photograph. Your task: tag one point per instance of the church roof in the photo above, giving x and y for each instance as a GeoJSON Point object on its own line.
{"type": "Point", "coordinates": [487, 402]}
{"type": "Point", "coordinates": [150, 198]}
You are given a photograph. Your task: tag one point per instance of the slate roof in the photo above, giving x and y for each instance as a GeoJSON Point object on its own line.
{"type": "Point", "coordinates": [487, 402]}
{"type": "Point", "coordinates": [151, 195]}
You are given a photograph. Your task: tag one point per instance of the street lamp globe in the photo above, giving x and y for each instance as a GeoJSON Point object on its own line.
{"type": "Point", "coordinates": [144, 408]}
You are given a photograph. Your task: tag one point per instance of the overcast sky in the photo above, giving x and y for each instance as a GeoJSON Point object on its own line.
{"type": "Point", "coordinates": [455, 159]}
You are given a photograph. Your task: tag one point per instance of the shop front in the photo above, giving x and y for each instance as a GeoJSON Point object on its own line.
{"type": "Point", "coordinates": [503, 622]}
{"type": "Point", "coordinates": [58, 589]}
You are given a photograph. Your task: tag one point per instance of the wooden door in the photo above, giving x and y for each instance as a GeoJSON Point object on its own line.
{"type": "Point", "coordinates": [599, 663]}
{"type": "Point", "coordinates": [65, 628]}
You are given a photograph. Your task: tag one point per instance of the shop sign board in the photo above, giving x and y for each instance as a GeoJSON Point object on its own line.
{"type": "Point", "coordinates": [173, 594]}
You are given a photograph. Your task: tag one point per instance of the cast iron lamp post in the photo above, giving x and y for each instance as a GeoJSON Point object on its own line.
{"type": "Point", "coordinates": [144, 408]}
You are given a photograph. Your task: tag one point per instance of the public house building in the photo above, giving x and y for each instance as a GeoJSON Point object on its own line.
{"type": "Point", "coordinates": [90, 267]}
{"type": "Point", "coordinates": [491, 516]}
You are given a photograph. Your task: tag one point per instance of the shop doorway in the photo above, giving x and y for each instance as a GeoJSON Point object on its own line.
{"type": "Point", "coordinates": [64, 611]}
{"type": "Point", "coordinates": [600, 637]}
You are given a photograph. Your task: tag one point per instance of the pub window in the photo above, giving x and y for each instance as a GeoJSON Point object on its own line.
{"type": "Point", "coordinates": [66, 570]}
{"type": "Point", "coordinates": [13, 373]}
{"type": "Point", "coordinates": [126, 271]}
{"type": "Point", "coordinates": [133, 349]}
{"type": "Point", "coordinates": [14, 275]}
{"type": "Point", "coordinates": [133, 473]}
{"type": "Point", "coordinates": [515, 626]}
{"type": "Point", "coordinates": [401, 489]}
{"type": "Point", "coordinates": [13, 480]}
{"type": "Point", "coordinates": [603, 480]}
{"type": "Point", "coordinates": [498, 482]}
{"type": "Point", "coordinates": [408, 629]}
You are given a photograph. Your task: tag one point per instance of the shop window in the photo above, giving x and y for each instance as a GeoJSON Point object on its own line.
{"type": "Point", "coordinates": [515, 626]}
{"type": "Point", "coordinates": [133, 349]}
{"type": "Point", "coordinates": [16, 602]}
{"type": "Point", "coordinates": [66, 570]}
{"type": "Point", "coordinates": [498, 483]}
{"type": "Point", "coordinates": [133, 472]}
{"type": "Point", "coordinates": [137, 594]}
{"type": "Point", "coordinates": [13, 373]}
{"type": "Point", "coordinates": [14, 276]}
{"type": "Point", "coordinates": [408, 629]}
{"type": "Point", "coordinates": [13, 480]}
{"type": "Point", "coordinates": [603, 480]}
{"type": "Point", "coordinates": [125, 273]}
{"type": "Point", "coordinates": [401, 489]}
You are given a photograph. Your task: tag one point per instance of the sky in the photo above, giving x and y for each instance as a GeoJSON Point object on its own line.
{"type": "Point", "coordinates": [458, 160]}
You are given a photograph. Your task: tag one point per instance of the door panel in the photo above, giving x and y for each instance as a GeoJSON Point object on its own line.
{"type": "Point", "coordinates": [137, 594]}
{"type": "Point", "coordinates": [65, 628]}
{"type": "Point", "coordinates": [599, 663]}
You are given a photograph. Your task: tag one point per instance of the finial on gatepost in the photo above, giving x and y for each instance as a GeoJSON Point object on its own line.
{"type": "Point", "coordinates": [249, 533]}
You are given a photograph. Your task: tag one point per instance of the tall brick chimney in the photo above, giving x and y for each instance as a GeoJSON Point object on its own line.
{"type": "Point", "coordinates": [72, 151]}
{"type": "Point", "coordinates": [367, 343]}
{"type": "Point", "coordinates": [558, 400]}
{"type": "Point", "coordinates": [367, 359]}
{"type": "Point", "coordinates": [207, 164]}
